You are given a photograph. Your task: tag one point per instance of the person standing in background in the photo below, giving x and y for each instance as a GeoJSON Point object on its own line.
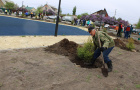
{"type": "Point", "coordinates": [127, 31]}
{"type": "Point", "coordinates": [6, 12]}
{"type": "Point", "coordinates": [119, 31]}
{"type": "Point", "coordinates": [131, 29]}
{"type": "Point", "coordinates": [84, 22]}
{"type": "Point", "coordinates": [31, 14]}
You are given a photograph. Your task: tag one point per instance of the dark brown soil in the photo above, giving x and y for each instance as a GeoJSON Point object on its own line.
{"type": "Point", "coordinates": [36, 69]}
{"type": "Point", "coordinates": [135, 41]}
{"type": "Point", "coordinates": [120, 43]}
{"type": "Point", "coordinates": [111, 34]}
{"type": "Point", "coordinates": [64, 47]}
{"type": "Point", "coordinates": [69, 48]}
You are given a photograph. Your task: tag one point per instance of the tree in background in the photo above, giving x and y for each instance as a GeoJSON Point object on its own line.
{"type": "Point", "coordinates": [39, 10]}
{"type": "Point", "coordinates": [81, 15]}
{"type": "Point", "coordinates": [119, 19]}
{"type": "Point", "coordinates": [16, 7]}
{"type": "Point", "coordinates": [84, 14]}
{"type": "Point", "coordinates": [9, 5]}
{"type": "Point", "coordinates": [138, 25]}
{"type": "Point", "coordinates": [24, 9]}
{"type": "Point", "coordinates": [74, 10]}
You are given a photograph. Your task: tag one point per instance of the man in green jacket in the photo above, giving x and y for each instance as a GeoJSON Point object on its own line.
{"type": "Point", "coordinates": [107, 44]}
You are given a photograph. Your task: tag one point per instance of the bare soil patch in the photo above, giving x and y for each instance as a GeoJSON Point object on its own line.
{"type": "Point", "coordinates": [69, 48]}
{"type": "Point", "coordinates": [40, 69]}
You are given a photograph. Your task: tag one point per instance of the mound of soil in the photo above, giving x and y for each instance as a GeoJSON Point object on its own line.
{"type": "Point", "coordinates": [69, 48]}
{"type": "Point", "coordinates": [120, 43]}
{"type": "Point", "coordinates": [111, 34]}
{"type": "Point", "coordinates": [135, 41]}
{"type": "Point", "coordinates": [64, 47]}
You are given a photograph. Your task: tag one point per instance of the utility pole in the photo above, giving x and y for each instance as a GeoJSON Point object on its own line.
{"type": "Point", "coordinates": [57, 21]}
{"type": "Point", "coordinates": [115, 12]}
{"type": "Point", "coordinates": [22, 7]}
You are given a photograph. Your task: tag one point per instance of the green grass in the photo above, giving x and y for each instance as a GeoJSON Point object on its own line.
{"type": "Point", "coordinates": [138, 86]}
{"type": "Point", "coordinates": [64, 66]}
{"type": "Point", "coordinates": [23, 36]}
{"type": "Point", "coordinates": [63, 35]}
{"type": "Point", "coordinates": [1, 84]}
{"type": "Point", "coordinates": [119, 53]}
{"type": "Point", "coordinates": [88, 78]}
{"type": "Point", "coordinates": [21, 71]}
{"type": "Point", "coordinates": [99, 76]}
{"type": "Point", "coordinates": [115, 71]}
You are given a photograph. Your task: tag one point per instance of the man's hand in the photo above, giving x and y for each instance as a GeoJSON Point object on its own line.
{"type": "Point", "coordinates": [103, 49]}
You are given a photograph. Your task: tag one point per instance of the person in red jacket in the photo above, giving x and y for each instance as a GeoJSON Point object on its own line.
{"type": "Point", "coordinates": [127, 31]}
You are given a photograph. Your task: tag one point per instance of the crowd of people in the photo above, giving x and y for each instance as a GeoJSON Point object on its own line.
{"type": "Point", "coordinates": [126, 29]}
{"type": "Point", "coordinates": [82, 22]}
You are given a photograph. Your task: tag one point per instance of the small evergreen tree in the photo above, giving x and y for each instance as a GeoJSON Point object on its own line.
{"type": "Point", "coordinates": [130, 44]}
{"type": "Point", "coordinates": [74, 10]}
{"type": "Point", "coordinates": [86, 52]}
{"type": "Point", "coordinates": [138, 25]}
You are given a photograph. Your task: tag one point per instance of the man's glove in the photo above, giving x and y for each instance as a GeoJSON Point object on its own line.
{"type": "Point", "coordinates": [103, 49]}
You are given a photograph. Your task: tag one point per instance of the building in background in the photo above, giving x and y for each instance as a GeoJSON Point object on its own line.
{"type": "Point", "coordinates": [101, 12]}
{"type": "Point", "coordinates": [47, 7]}
{"type": "Point", "coordinates": [30, 9]}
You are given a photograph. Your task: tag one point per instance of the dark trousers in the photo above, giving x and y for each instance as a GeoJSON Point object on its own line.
{"type": "Point", "coordinates": [97, 53]}
{"type": "Point", "coordinates": [126, 34]}
{"type": "Point", "coordinates": [119, 33]}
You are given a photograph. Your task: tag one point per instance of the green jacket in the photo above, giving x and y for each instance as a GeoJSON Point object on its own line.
{"type": "Point", "coordinates": [106, 40]}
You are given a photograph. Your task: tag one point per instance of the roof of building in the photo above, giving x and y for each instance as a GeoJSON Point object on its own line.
{"type": "Point", "coordinates": [101, 12]}
{"type": "Point", "coordinates": [29, 8]}
{"type": "Point", "coordinates": [53, 7]}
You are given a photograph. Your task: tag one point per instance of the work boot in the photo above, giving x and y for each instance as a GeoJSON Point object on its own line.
{"type": "Point", "coordinates": [110, 67]}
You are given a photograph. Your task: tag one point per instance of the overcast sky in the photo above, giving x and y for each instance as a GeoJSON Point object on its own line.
{"type": "Point", "coordinates": [126, 9]}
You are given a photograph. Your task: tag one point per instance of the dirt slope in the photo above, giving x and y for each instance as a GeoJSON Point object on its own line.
{"type": "Point", "coordinates": [38, 69]}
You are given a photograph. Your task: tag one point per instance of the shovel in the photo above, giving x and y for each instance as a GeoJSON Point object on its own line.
{"type": "Point", "coordinates": [103, 69]}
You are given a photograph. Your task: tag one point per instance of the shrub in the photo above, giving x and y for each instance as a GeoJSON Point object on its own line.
{"type": "Point", "coordinates": [93, 25]}
{"type": "Point", "coordinates": [23, 15]}
{"type": "Point", "coordinates": [35, 16]}
{"type": "Point", "coordinates": [72, 22]}
{"type": "Point", "coordinates": [105, 30]}
{"type": "Point", "coordinates": [59, 19]}
{"type": "Point", "coordinates": [86, 52]}
{"type": "Point", "coordinates": [130, 44]}
{"type": "Point", "coordinates": [53, 20]}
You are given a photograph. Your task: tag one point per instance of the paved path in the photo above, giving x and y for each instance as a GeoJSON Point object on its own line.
{"type": "Point", "coordinates": [15, 42]}
{"type": "Point", "coordinates": [19, 27]}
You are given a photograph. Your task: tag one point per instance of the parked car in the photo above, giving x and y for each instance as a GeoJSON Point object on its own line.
{"type": "Point", "coordinates": [134, 31]}
{"type": "Point", "coordinates": [112, 26]}
{"type": "Point", "coordinates": [106, 25]}
{"type": "Point", "coordinates": [68, 18]}
{"type": "Point", "coordinates": [97, 23]}
{"type": "Point", "coordinates": [138, 31]}
{"type": "Point", "coordinates": [52, 17]}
